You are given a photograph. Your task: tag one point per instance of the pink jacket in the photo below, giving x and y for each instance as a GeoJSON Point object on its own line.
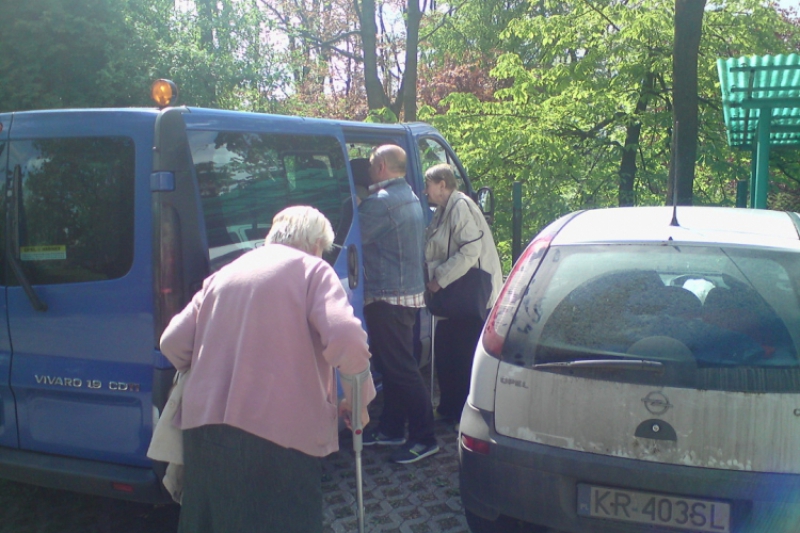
{"type": "Point", "coordinates": [261, 338]}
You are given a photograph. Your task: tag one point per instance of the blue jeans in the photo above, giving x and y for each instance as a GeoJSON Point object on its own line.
{"type": "Point", "coordinates": [405, 398]}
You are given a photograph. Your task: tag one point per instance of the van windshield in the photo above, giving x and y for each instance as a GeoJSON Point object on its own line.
{"type": "Point", "coordinates": [720, 318]}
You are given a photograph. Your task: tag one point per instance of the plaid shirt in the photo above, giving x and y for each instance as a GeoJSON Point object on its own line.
{"type": "Point", "coordinates": [414, 300]}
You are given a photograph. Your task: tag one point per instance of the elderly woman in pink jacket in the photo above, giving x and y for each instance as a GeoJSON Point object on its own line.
{"type": "Point", "coordinates": [262, 339]}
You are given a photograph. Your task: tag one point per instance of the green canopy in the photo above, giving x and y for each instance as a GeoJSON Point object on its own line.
{"type": "Point", "coordinates": [761, 105]}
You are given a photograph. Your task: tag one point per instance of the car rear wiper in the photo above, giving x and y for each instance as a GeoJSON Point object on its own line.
{"type": "Point", "coordinates": [603, 364]}
{"type": "Point", "coordinates": [12, 245]}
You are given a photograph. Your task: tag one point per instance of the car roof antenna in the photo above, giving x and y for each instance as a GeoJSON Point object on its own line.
{"type": "Point", "coordinates": [675, 180]}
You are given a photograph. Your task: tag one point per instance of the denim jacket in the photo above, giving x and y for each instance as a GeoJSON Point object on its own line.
{"type": "Point", "coordinates": [392, 235]}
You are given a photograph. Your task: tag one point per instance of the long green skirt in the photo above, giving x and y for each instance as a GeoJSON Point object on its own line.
{"type": "Point", "coordinates": [236, 482]}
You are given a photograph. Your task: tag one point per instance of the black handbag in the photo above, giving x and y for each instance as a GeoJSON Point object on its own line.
{"type": "Point", "coordinates": [466, 297]}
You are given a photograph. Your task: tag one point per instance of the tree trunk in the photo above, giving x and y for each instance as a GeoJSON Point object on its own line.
{"type": "Point", "coordinates": [409, 86]}
{"type": "Point", "coordinates": [207, 16]}
{"type": "Point", "coordinates": [627, 166]}
{"type": "Point", "coordinates": [376, 97]}
{"type": "Point", "coordinates": [688, 28]}
{"type": "Point", "coordinates": [207, 19]}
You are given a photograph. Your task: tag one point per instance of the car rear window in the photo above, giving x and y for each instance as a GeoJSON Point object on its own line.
{"type": "Point", "coordinates": [74, 218]}
{"type": "Point", "coordinates": [718, 318]}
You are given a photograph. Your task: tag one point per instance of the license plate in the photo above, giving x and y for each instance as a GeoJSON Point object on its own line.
{"type": "Point", "coordinates": [654, 509]}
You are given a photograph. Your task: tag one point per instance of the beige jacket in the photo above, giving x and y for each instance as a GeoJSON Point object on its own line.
{"type": "Point", "coordinates": [462, 227]}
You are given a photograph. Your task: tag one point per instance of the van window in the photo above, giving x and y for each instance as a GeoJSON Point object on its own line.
{"type": "Point", "coordinates": [431, 152]}
{"type": "Point", "coordinates": [246, 178]}
{"type": "Point", "coordinates": [715, 318]}
{"type": "Point", "coordinates": [74, 215]}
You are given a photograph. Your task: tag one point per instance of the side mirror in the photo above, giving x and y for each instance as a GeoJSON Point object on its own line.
{"type": "Point", "coordinates": [486, 203]}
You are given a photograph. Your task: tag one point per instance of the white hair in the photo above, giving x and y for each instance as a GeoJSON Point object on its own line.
{"type": "Point", "coordinates": [301, 227]}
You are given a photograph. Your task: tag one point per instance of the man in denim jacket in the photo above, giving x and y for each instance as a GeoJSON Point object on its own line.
{"type": "Point", "coordinates": [392, 233]}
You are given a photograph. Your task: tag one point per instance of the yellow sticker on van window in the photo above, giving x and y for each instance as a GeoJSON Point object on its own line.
{"type": "Point", "coordinates": [43, 253]}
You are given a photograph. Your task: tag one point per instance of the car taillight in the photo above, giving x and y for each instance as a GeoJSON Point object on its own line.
{"type": "Point", "coordinates": [475, 445]}
{"type": "Point", "coordinates": [496, 328]}
{"type": "Point", "coordinates": [169, 279]}
{"type": "Point", "coordinates": [122, 487]}
{"type": "Point", "coordinates": [499, 321]}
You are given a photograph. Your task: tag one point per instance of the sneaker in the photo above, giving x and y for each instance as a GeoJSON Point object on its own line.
{"type": "Point", "coordinates": [374, 437]}
{"type": "Point", "coordinates": [411, 453]}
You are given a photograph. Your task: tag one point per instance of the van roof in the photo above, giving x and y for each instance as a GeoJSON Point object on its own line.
{"type": "Point", "coordinates": [699, 225]}
{"type": "Point", "coordinates": [209, 112]}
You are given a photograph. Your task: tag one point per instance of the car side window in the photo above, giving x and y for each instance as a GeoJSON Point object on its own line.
{"type": "Point", "coordinates": [74, 210]}
{"type": "Point", "coordinates": [432, 152]}
{"type": "Point", "coordinates": [246, 178]}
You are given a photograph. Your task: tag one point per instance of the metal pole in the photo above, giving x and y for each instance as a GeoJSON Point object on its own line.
{"type": "Point", "coordinates": [741, 193]}
{"type": "Point", "coordinates": [762, 160]}
{"type": "Point", "coordinates": [357, 382]}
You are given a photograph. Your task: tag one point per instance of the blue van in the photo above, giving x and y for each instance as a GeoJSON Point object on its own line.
{"type": "Point", "coordinates": [112, 219]}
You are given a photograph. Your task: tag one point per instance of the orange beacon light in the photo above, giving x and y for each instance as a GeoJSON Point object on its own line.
{"type": "Point", "coordinates": [163, 92]}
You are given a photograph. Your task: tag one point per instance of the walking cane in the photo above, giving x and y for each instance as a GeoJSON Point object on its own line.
{"type": "Point", "coordinates": [356, 382]}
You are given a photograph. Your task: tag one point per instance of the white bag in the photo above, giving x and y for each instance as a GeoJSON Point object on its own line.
{"type": "Point", "coordinates": [167, 442]}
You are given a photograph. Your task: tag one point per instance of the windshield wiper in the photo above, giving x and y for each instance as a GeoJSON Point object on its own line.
{"type": "Point", "coordinates": [12, 246]}
{"type": "Point", "coordinates": [604, 364]}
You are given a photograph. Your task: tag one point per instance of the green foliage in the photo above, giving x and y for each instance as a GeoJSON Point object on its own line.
{"type": "Point", "coordinates": [67, 53]}
{"type": "Point", "coordinates": [571, 92]}
{"type": "Point", "coordinates": [383, 115]}
{"type": "Point", "coordinates": [219, 58]}
{"type": "Point", "coordinates": [473, 29]}
{"type": "Point", "coordinates": [104, 53]}
{"type": "Point", "coordinates": [567, 84]}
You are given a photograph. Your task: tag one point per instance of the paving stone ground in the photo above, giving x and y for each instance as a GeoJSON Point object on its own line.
{"type": "Point", "coordinates": [421, 497]}
{"type": "Point", "coordinates": [418, 498]}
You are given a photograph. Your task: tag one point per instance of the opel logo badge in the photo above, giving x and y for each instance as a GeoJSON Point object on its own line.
{"type": "Point", "coordinates": [656, 403]}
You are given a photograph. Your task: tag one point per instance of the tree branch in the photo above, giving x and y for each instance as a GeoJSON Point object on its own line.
{"type": "Point", "coordinates": [591, 6]}
{"type": "Point", "coordinates": [311, 38]}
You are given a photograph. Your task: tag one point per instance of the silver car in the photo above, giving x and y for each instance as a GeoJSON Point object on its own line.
{"type": "Point", "coordinates": [640, 373]}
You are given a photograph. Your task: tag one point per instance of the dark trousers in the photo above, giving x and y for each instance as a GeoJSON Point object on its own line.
{"type": "Point", "coordinates": [454, 345]}
{"type": "Point", "coordinates": [405, 398]}
{"type": "Point", "coordinates": [237, 482]}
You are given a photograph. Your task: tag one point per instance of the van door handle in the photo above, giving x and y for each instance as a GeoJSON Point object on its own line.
{"type": "Point", "coordinates": [352, 266]}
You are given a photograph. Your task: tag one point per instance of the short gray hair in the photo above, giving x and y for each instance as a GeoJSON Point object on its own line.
{"type": "Point", "coordinates": [442, 172]}
{"type": "Point", "coordinates": [301, 227]}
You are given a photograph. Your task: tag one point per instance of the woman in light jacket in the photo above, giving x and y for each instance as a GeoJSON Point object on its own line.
{"type": "Point", "coordinates": [457, 239]}
{"type": "Point", "coordinates": [259, 408]}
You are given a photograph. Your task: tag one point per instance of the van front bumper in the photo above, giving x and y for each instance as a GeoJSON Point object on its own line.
{"type": "Point", "coordinates": [81, 475]}
{"type": "Point", "coordinates": [539, 484]}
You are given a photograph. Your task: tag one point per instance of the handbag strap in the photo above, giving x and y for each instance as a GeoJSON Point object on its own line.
{"type": "Point", "coordinates": [450, 227]}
